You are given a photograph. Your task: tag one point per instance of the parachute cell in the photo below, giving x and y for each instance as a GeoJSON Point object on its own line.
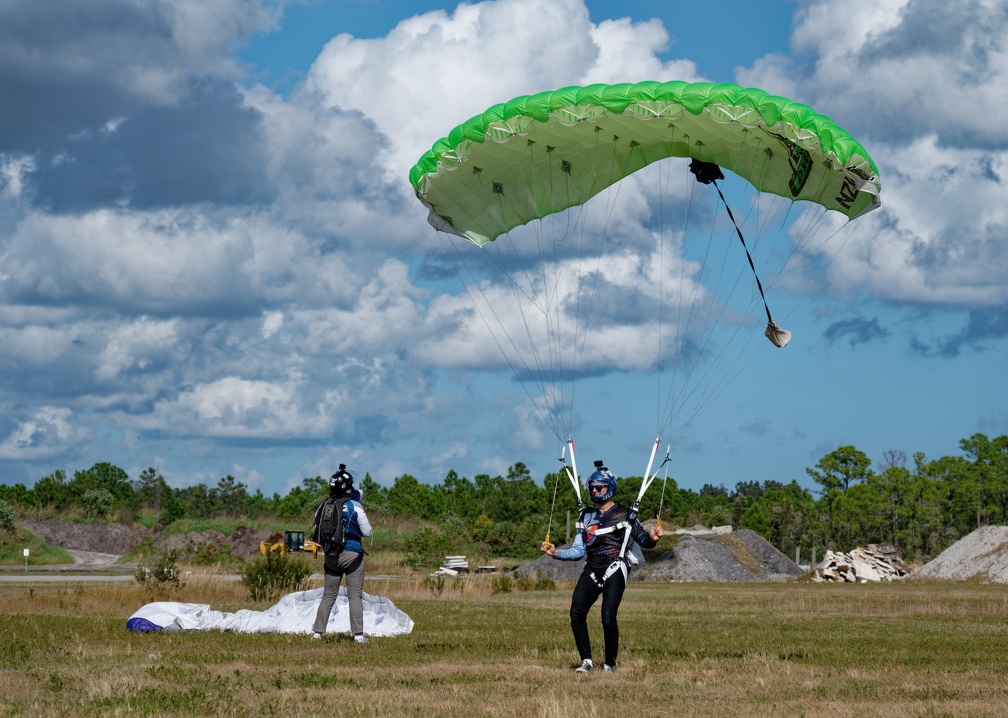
{"type": "Point", "coordinates": [543, 153]}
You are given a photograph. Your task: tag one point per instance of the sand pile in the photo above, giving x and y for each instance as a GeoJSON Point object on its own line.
{"type": "Point", "coordinates": [982, 555]}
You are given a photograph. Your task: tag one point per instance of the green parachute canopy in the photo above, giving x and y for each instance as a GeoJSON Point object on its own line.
{"type": "Point", "coordinates": [544, 153]}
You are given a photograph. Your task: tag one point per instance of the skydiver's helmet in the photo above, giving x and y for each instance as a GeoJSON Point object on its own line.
{"type": "Point", "coordinates": [601, 477]}
{"type": "Point", "coordinates": [341, 483]}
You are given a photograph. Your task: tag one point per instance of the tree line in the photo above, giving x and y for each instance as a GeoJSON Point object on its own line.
{"type": "Point", "coordinates": [918, 505]}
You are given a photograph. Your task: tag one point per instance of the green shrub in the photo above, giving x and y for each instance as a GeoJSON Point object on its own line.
{"type": "Point", "coordinates": [163, 573]}
{"type": "Point", "coordinates": [435, 584]}
{"type": "Point", "coordinates": [97, 503]}
{"type": "Point", "coordinates": [6, 517]}
{"type": "Point", "coordinates": [528, 583]}
{"type": "Point", "coordinates": [429, 548]}
{"type": "Point", "coordinates": [501, 584]}
{"type": "Point", "coordinates": [268, 576]}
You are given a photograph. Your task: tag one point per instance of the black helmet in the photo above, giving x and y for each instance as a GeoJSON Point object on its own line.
{"type": "Point", "coordinates": [342, 481]}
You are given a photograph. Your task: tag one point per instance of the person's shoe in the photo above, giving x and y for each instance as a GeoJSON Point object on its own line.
{"type": "Point", "coordinates": [586, 665]}
{"type": "Point", "coordinates": [360, 638]}
{"type": "Point", "coordinates": [316, 636]}
{"type": "Point", "coordinates": [607, 667]}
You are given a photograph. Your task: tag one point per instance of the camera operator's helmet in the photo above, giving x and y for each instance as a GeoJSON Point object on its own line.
{"type": "Point", "coordinates": [341, 482]}
{"type": "Point", "coordinates": [601, 484]}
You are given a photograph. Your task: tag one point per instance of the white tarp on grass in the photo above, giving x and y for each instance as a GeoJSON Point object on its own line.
{"type": "Point", "coordinates": [294, 613]}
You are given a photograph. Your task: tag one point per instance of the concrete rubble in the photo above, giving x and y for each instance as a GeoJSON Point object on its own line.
{"type": "Point", "coordinates": [875, 563]}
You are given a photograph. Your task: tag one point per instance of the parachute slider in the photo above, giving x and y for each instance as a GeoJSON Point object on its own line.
{"type": "Point", "coordinates": [706, 172]}
{"type": "Point", "coordinates": [778, 337]}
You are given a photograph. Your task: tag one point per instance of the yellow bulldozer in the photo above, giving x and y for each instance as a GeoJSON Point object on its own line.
{"type": "Point", "coordinates": [292, 541]}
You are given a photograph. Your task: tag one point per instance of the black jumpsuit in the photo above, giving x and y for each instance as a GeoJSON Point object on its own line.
{"type": "Point", "coordinates": [601, 550]}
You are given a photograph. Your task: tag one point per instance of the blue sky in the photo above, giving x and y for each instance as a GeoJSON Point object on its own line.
{"type": "Point", "coordinates": [212, 262]}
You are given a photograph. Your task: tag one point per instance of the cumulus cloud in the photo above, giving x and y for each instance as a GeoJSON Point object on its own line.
{"type": "Point", "coordinates": [920, 83]}
{"type": "Point", "coordinates": [187, 254]}
{"type": "Point", "coordinates": [70, 67]}
{"type": "Point", "coordinates": [48, 432]}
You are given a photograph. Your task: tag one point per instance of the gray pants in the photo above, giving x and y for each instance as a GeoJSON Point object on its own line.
{"type": "Point", "coordinates": [351, 565]}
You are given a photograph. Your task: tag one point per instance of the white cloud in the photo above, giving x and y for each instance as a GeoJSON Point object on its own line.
{"type": "Point", "coordinates": [49, 431]}
{"type": "Point", "coordinates": [917, 82]}
{"type": "Point", "coordinates": [303, 315]}
{"type": "Point", "coordinates": [12, 173]}
{"type": "Point", "coordinates": [940, 238]}
{"type": "Point", "coordinates": [135, 345]}
{"type": "Point", "coordinates": [272, 321]}
{"type": "Point", "coordinates": [235, 407]}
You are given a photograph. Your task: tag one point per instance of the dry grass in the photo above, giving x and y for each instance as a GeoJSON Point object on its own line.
{"type": "Point", "coordinates": [719, 650]}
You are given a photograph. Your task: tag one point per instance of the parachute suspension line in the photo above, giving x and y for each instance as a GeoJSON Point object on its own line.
{"type": "Point", "coordinates": [674, 402]}
{"type": "Point", "coordinates": [670, 403]}
{"type": "Point", "coordinates": [851, 226]}
{"type": "Point", "coordinates": [810, 226]}
{"type": "Point", "coordinates": [554, 323]}
{"type": "Point", "coordinates": [541, 378]}
{"type": "Point", "coordinates": [700, 392]}
{"type": "Point", "coordinates": [661, 284]}
{"type": "Point", "coordinates": [725, 370]}
{"type": "Point", "coordinates": [661, 501]}
{"type": "Point", "coordinates": [441, 235]}
{"type": "Point", "coordinates": [517, 291]}
{"type": "Point", "coordinates": [564, 371]}
{"type": "Point", "coordinates": [549, 524]}
{"type": "Point", "coordinates": [708, 173]}
{"type": "Point", "coordinates": [612, 197]}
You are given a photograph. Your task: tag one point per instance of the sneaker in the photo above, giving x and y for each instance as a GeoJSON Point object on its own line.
{"type": "Point", "coordinates": [586, 665]}
{"type": "Point", "coordinates": [316, 636]}
{"type": "Point", "coordinates": [360, 638]}
{"type": "Point", "coordinates": [607, 667]}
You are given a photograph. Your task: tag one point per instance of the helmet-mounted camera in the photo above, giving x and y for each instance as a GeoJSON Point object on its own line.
{"type": "Point", "coordinates": [342, 479]}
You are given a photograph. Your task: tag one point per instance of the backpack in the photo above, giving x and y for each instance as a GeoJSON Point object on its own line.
{"type": "Point", "coordinates": [330, 527]}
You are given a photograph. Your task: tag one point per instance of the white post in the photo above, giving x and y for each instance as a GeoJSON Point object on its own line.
{"type": "Point", "coordinates": [26, 560]}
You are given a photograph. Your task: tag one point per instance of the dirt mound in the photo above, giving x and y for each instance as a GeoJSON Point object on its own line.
{"type": "Point", "coordinates": [117, 539]}
{"type": "Point", "coordinates": [194, 542]}
{"type": "Point", "coordinates": [245, 541]}
{"type": "Point", "coordinates": [981, 555]}
{"type": "Point", "coordinates": [97, 538]}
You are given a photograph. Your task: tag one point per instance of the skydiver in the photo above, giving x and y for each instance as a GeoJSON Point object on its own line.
{"type": "Point", "coordinates": [601, 537]}
{"type": "Point", "coordinates": [347, 560]}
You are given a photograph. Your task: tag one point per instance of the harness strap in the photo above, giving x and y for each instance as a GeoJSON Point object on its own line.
{"type": "Point", "coordinates": [610, 529]}
{"type": "Point", "coordinates": [617, 565]}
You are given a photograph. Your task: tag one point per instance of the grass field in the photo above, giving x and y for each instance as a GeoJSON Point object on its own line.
{"type": "Point", "coordinates": [746, 650]}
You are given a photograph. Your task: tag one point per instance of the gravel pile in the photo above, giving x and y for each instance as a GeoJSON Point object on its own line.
{"type": "Point", "coordinates": [982, 555]}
